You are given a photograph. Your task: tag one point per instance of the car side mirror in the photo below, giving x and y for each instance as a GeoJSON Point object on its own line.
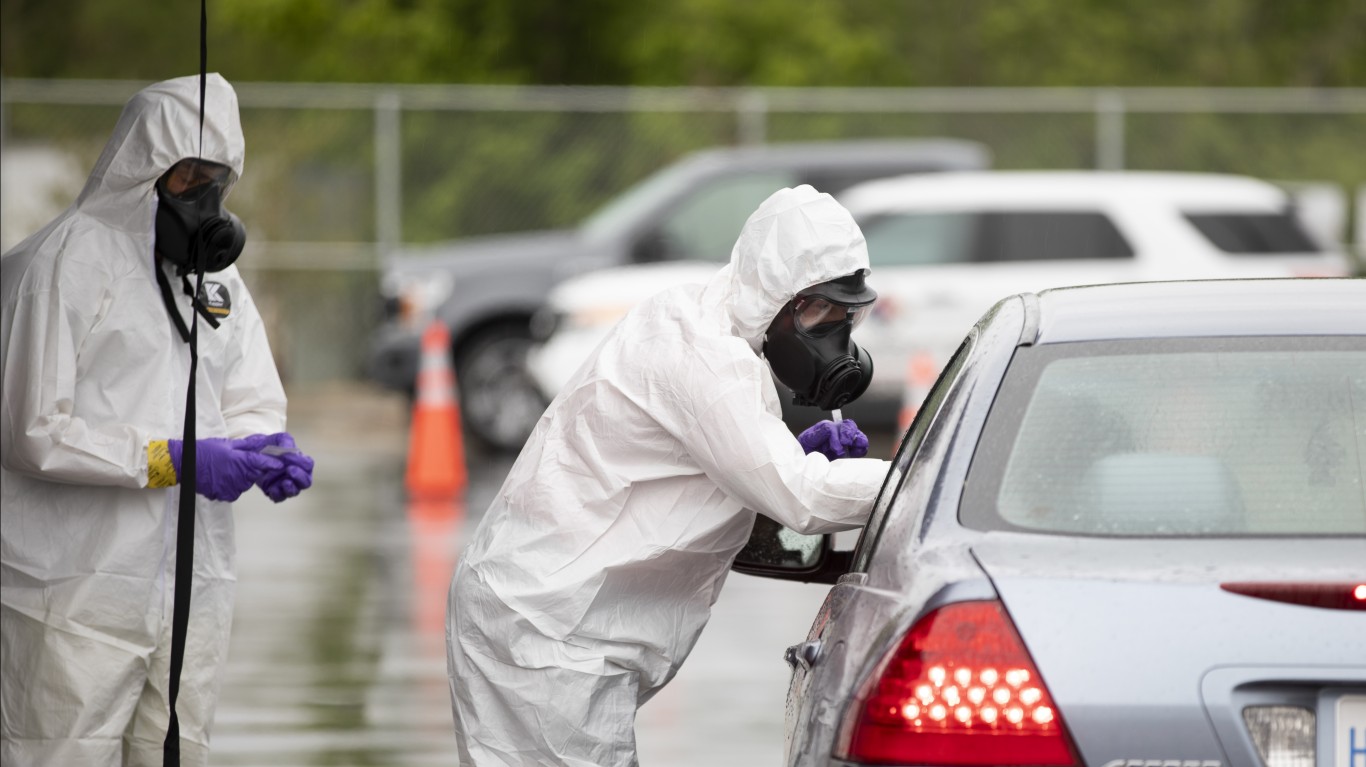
{"type": "Point", "coordinates": [773, 551]}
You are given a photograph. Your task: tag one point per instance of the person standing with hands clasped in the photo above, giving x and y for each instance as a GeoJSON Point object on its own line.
{"type": "Point", "coordinates": [95, 361]}
{"type": "Point", "coordinates": [594, 570]}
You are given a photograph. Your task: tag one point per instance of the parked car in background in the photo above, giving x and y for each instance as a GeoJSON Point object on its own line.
{"type": "Point", "coordinates": [486, 289]}
{"type": "Point", "coordinates": [945, 247]}
{"type": "Point", "coordinates": [1128, 527]}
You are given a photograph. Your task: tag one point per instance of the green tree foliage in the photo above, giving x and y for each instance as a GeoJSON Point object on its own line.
{"type": "Point", "coordinates": [1129, 42]}
{"type": "Point", "coordinates": [463, 41]}
{"type": "Point", "coordinates": [702, 42]}
{"type": "Point", "coordinates": [769, 42]}
{"type": "Point", "coordinates": [93, 39]}
{"type": "Point", "coordinates": [465, 173]}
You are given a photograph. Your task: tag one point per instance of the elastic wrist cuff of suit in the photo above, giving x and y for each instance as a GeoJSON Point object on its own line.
{"type": "Point", "coordinates": [160, 469]}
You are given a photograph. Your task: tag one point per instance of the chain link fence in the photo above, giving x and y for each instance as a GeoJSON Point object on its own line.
{"type": "Point", "coordinates": [339, 175]}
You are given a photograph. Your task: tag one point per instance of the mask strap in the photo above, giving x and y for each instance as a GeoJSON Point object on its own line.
{"type": "Point", "coordinates": [199, 307]}
{"type": "Point", "coordinates": [185, 524]}
{"type": "Point", "coordinates": [169, 299]}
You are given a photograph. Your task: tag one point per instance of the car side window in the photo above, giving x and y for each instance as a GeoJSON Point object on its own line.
{"type": "Point", "coordinates": [910, 445]}
{"type": "Point", "coordinates": [1248, 234]}
{"type": "Point", "coordinates": [706, 224]}
{"type": "Point", "coordinates": [1049, 236]}
{"type": "Point", "coordinates": [915, 239]}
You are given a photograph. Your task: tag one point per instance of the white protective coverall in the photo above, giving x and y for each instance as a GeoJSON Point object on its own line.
{"type": "Point", "coordinates": [93, 369]}
{"type": "Point", "coordinates": [594, 570]}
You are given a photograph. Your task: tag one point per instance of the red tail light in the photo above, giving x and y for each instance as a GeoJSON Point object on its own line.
{"type": "Point", "coordinates": [960, 689]}
{"type": "Point", "coordinates": [1335, 596]}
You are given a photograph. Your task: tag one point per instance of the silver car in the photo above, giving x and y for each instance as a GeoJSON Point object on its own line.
{"type": "Point", "coordinates": [1126, 529]}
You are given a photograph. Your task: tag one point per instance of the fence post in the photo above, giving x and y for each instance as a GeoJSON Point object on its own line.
{"type": "Point", "coordinates": [1109, 130]}
{"type": "Point", "coordinates": [4, 118]}
{"type": "Point", "coordinates": [388, 172]}
{"type": "Point", "coordinates": [752, 113]}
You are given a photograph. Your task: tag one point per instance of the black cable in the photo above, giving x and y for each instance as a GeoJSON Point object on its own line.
{"type": "Point", "coordinates": [203, 66]}
{"type": "Point", "coordinates": [184, 560]}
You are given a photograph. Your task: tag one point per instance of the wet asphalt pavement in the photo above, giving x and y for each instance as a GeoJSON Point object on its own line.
{"type": "Point", "coordinates": [338, 647]}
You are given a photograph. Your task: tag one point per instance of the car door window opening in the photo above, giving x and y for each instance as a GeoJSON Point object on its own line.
{"type": "Point", "coordinates": [910, 445]}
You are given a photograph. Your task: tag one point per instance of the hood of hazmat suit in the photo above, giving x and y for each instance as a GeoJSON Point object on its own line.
{"type": "Point", "coordinates": [93, 370]}
{"type": "Point", "coordinates": [594, 570]}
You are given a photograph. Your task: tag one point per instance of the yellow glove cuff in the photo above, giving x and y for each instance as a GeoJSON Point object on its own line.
{"type": "Point", "coordinates": [160, 470]}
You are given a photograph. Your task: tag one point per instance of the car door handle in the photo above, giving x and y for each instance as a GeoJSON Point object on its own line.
{"type": "Point", "coordinates": [805, 654]}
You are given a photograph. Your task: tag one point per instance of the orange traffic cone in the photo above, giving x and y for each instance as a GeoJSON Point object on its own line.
{"type": "Point", "coordinates": [921, 370]}
{"type": "Point", "coordinates": [436, 452]}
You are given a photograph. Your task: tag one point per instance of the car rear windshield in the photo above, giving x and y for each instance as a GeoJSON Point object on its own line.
{"type": "Point", "coordinates": [1254, 233]}
{"type": "Point", "coordinates": [1184, 437]}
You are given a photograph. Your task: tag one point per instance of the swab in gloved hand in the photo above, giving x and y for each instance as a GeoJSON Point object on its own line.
{"type": "Point", "coordinates": [296, 474]}
{"type": "Point", "coordinates": [835, 439]}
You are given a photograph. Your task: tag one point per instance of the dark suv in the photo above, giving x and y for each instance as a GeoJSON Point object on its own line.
{"type": "Point", "coordinates": [486, 290]}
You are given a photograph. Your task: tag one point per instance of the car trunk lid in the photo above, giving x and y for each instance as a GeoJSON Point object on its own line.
{"type": "Point", "coordinates": [1149, 658]}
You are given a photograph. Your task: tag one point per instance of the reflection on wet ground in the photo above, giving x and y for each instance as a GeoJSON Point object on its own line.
{"type": "Point", "coordinates": [338, 648]}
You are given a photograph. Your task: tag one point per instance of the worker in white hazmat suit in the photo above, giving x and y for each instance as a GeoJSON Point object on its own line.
{"type": "Point", "coordinates": [594, 570]}
{"type": "Point", "coordinates": [95, 364]}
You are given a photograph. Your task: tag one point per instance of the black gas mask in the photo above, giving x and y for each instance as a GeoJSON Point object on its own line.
{"type": "Point", "coordinates": [193, 229]}
{"type": "Point", "coordinates": [809, 348]}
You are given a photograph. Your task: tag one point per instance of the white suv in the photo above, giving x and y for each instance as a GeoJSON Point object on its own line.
{"type": "Point", "coordinates": [944, 248]}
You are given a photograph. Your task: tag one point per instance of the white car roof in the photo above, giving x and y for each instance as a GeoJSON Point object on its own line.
{"type": "Point", "coordinates": [1050, 189]}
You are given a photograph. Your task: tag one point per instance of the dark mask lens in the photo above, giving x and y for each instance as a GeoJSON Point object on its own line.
{"type": "Point", "coordinates": [190, 180]}
{"type": "Point", "coordinates": [815, 316]}
{"type": "Point", "coordinates": [857, 314]}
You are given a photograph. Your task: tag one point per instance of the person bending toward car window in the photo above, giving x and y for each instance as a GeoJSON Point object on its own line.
{"type": "Point", "coordinates": [95, 361]}
{"type": "Point", "coordinates": [593, 572]}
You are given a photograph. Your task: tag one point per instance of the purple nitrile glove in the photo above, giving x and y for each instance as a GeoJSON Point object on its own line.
{"type": "Point", "coordinates": [224, 468]}
{"type": "Point", "coordinates": [835, 440]}
{"type": "Point", "coordinates": [296, 474]}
